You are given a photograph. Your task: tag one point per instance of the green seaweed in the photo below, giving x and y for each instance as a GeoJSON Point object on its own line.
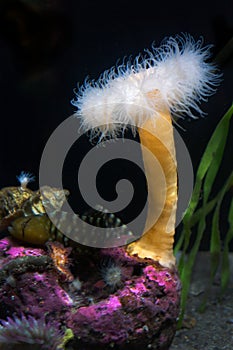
{"type": "Point", "coordinates": [225, 256]}
{"type": "Point", "coordinates": [195, 218]}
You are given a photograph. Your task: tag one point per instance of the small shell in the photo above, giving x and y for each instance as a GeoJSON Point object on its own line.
{"type": "Point", "coordinates": [32, 229]}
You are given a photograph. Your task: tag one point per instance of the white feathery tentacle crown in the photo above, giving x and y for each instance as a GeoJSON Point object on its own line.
{"type": "Point", "coordinates": [179, 70]}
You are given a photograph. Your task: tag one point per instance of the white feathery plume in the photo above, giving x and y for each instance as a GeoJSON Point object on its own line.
{"type": "Point", "coordinates": [178, 71]}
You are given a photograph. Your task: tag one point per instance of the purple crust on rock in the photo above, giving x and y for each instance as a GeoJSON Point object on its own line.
{"type": "Point", "coordinates": [140, 311]}
{"type": "Point", "coordinates": [28, 283]}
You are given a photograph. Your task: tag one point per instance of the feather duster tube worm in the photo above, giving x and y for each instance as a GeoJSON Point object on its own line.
{"type": "Point", "coordinates": [170, 80]}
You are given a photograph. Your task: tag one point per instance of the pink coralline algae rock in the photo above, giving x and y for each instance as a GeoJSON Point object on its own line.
{"type": "Point", "coordinates": [28, 282]}
{"type": "Point", "coordinates": [142, 314]}
{"type": "Point", "coordinates": [112, 301]}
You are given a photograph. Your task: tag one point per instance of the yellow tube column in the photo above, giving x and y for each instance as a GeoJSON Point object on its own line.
{"type": "Point", "coordinates": [157, 243]}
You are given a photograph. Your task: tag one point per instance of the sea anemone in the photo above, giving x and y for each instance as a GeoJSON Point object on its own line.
{"type": "Point", "coordinates": [111, 274]}
{"type": "Point", "coordinates": [178, 71]}
{"type": "Point", "coordinates": [27, 333]}
{"type": "Point", "coordinates": [24, 179]}
{"type": "Point", "coordinates": [168, 81]}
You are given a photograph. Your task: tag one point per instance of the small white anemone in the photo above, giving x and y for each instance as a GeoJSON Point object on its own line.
{"type": "Point", "coordinates": [112, 275]}
{"type": "Point", "coordinates": [24, 178]}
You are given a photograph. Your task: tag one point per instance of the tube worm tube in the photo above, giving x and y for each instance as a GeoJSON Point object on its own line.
{"type": "Point", "coordinates": [166, 83]}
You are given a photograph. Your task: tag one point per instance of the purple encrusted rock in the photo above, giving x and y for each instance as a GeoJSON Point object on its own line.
{"type": "Point", "coordinates": [141, 314]}
{"type": "Point", "coordinates": [29, 283]}
{"type": "Point", "coordinates": [112, 300]}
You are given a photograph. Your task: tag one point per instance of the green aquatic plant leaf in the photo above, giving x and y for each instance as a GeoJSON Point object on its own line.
{"type": "Point", "coordinates": [211, 160]}
{"type": "Point", "coordinates": [217, 144]}
{"type": "Point", "coordinates": [225, 268]}
{"type": "Point", "coordinates": [186, 269]}
{"type": "Point", "coordinates": [194, 221]}
{"type": "Point", "coordinates": [205, 177]}
{"type": "Point", "coordinates": [215, 242]}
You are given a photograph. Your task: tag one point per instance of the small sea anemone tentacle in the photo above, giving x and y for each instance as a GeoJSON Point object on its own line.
{"type": "Point", "coordinates": [27, 331]}
{"type": "Point", "coordinates": [24, 179]}
{"type": "Point", "coordinates": [111, 274]}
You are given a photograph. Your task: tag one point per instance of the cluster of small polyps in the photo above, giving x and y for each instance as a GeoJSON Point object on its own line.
{"type": "Point", "coordinates": [128, 297]}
